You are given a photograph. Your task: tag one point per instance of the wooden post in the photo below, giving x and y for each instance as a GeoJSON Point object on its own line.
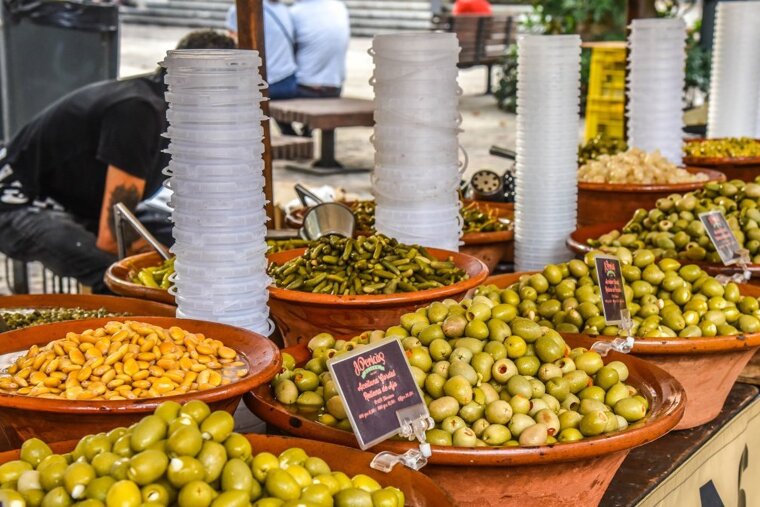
{"type": "Point", "coordinates": [250, 20]}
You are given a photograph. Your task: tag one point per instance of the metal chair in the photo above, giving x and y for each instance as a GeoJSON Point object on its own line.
{"type": "Point", "coordinates": [17, 279]}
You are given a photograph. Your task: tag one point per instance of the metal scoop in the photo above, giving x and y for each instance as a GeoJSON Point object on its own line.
{"type": "Point", "coordinates": [328, 218]}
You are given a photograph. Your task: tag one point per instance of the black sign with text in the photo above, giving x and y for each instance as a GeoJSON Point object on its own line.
{"type": "Point", "coordinates": [375, 382]}
{"type": "Point", "coordinates": [611, 286]}
{"type": "Point", "coordinates": [722, 236]}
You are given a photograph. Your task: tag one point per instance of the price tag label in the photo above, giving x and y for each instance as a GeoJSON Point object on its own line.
{"type": "Point", "coordinates": [722, 237]}
{"type": "Point", "coordinates": [375, 383]}
{"type": "Point", "coordinates": [611, 286]}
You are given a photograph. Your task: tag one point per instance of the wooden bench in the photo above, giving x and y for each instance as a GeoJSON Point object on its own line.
{"type": "Point", "coordinates": [292, 148]}
{"type": "Point", "coordinates": [483, 39]}
{"type": "Point", "coordinates": [325, 115]}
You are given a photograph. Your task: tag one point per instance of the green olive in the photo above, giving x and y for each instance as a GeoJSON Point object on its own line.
{"type": "Point", "coordinates": [280, 484]}
{"type": "Point", "coordinates": [196, 409]}
{"type": "Point", "coordinates": [196, 494]}
{"type": "Point", "coordinates": [59, 497]}
{"type": "Point", "coordinates": [147, 432]}
{"type": "Point", "coordinates": [98, 488]}
{"type": "Point", "coordinates": [34, 450]}
{"type": "Point", "coordinates": [124, 494]}
{"type": "Point", "coordinates": [147, 467]}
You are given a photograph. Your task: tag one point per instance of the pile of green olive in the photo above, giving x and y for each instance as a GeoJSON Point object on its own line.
{"type": "Point", "coordinates": [673, 230]}
{"type": "Point", "coordinates": [599, 145]}
{"type": "Point", "coordinates": [17, 319]}
{"type": "Point", "coordinates": [665, 298]}
{"type": "Point", "coordinates": [186, 456]}
{"type": "Point", "coordinates": [488, 376]}
{"type": "Point", "coordinates": [731, 147]}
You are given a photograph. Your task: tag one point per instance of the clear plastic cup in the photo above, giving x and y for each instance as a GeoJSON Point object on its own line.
{"type": "Point", "coordinates": [207, 272]}
{"type": "Point", "coordinates": [211, 220]}
{"type": "Point", "coordinates": [202, 204]}
{"type": "Point", "coordinates": [216, 169]}
{"type": "Point", "coordinates": [210, 253]}
{"type": "Point", "coordinates": [219, 235]}
{"type": "Point", "coordinates": [231, 309]}
{"type": "Point", "coordinates": [424, 119]}
{"type": "Point", "coordinates": [180, 184]}
{"type": "Point", "coordinates": [214, 99]}
{"type": "Point", "coordinates": [248, 133]}
{"type": "Point", "coordinates": [415, 42]}
{"type": "Point", "coordinates": [198, 153]}
{"type": "Point", "coordinates": [211, 59]}
{"type": "Point", "coordinates": [179, 82]}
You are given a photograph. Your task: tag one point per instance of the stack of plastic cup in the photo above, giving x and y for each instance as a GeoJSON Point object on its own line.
{"type": "Point", "coordinates": [734, 108]}
{"type": "Point", "coordinates": [657, 66]}
{"type": "Point", "coordinates": [216, 178]}
{"type": "Point", "coordinates": [548, 104]}
{"type": "Point", "coordinates": [417, 168]}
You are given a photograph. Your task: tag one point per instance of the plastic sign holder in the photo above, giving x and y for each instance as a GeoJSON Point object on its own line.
{"type": "Point", "coordinates": [382, 400]}
{"type": "Point", "coordinates": [727, 246]}
{"type": "Point", "coordinates": [614, 305]}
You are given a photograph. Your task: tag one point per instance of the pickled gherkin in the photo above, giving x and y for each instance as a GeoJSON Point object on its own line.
{"type": "Point", "coordinates": [672, 228]}
{"type": "Point", "coordinates": [370, 265]}
{"type": "Point", "coordinates": [247, 477]}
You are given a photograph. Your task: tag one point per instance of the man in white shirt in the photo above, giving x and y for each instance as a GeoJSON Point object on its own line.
{"type": "Point", "coordinates": [279, 39]}
{"type": "Point", "coordinates": [322, 33]}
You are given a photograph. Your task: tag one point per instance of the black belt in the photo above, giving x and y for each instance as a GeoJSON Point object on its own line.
{"type": "Point", "coordinates": [320, 89]}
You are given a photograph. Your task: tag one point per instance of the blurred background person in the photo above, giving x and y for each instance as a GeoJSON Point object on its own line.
{"type": "Point", "coordinates": [480, 7]}
{"type": "Point", "coordinates": [322, 34]}
{"type": "Point", "coordinates": [279, 46]}
{"type": "Point", "coordinates": [64, 171]}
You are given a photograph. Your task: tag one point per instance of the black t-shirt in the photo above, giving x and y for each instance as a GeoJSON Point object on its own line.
{"type": "Point", "coordinates": [64, 153]}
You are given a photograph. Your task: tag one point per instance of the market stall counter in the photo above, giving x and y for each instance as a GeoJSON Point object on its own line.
{"type": "Point", "coordinates": [713, 464]}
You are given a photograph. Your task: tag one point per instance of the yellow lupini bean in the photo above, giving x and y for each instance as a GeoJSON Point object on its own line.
{"type": "Point", "coordinates": [123, 360]}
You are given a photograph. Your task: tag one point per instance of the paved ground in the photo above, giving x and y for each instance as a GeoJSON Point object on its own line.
{"type": "Point", "coordinates": [483, 123]}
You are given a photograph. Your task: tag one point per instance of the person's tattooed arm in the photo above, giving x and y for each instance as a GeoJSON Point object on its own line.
{"type": "Point", "coordinates": [124, 188]}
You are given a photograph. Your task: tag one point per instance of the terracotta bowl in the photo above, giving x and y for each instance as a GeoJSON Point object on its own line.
{"type": "Point", "coordinates": [88, 302]}
{"type": "Point", "coordinates": [301, 315]}
{"type": "Point", "coordinates": [740, 168]}
{"type": "Point", "coordinates": [117, 278]}
{"type": "Point", "coordinates": [565, 474]}
{"type": "Point", "coordinates": [419, 490]}
{"type": "Point", "coordinates": [489, 247]}
{"type": "Point", "coordinates": [578, 243]}
{"type": "Point", "coordinates": [608, 202]}
{"type": "Point", "coordinates": [23, 417]}
{"type": "Point", "coordinates": [706, 367]}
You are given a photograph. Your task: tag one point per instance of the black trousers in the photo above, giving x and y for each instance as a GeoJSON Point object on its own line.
{"type": "Point", "coordinates": [65, 244]}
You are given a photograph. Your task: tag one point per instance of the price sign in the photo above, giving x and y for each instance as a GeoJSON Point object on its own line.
{"type": "Point", "coordinates": [376, 382]}
{"type": "Point", "coordinates": [722, 237]}
{"type": "Point", "coordinates": [611, 285]}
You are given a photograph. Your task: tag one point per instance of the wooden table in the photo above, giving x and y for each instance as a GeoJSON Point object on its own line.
{"type": "Point", "coordinates": [647, 466]}
{"type": "Point", "coordinates": [326, 115]}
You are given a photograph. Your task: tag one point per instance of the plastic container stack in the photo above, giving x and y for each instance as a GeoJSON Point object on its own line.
{"type": "Point", "coordinates": [657, 67]}
{"type": "Point", "coordinates": [417, 168]}
{"type": "Point", "coordinates": [734, 108]}
{"type": "Point", "coordinates": [216, 178]}
{"type": "Point", "coordinates": [548, 104]}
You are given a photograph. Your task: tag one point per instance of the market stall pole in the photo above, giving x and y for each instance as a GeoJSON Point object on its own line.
{"type": "Point", "coordinates": [250, 19]}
